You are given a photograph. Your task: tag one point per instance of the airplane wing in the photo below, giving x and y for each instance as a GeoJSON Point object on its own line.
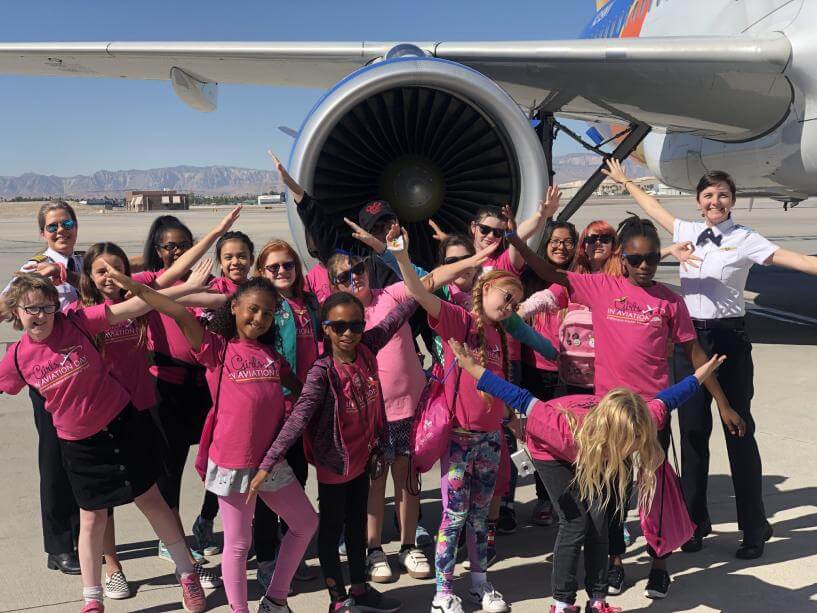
{"type": "Point", "coordinates": [729, 88]}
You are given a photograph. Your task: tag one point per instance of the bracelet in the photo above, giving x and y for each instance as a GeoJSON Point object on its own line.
{"type": "Point", "coordinates": [510, 234]}
{"type": "Point", "coordinates": [628, 181]}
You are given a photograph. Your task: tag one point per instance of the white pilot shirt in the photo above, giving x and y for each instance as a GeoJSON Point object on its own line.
{"type": "Point", "coordinates": [67, 292]}
{"type": "Point", "coordinates": [715, 290]}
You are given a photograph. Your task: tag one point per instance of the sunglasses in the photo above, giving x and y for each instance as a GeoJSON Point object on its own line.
{"type": "Point", "coordinates": [274, 268]}
{"type": "Point", "coordinates": [486, 230]}
{"type": "Point", "coordinates": [455, 259]}
{"type": "Point", "coordinates": [47, 309]}
{"type": "Point", "coordinates": [604, 239]}
{"type": "Point", "coordinates": [68, 224]}
{"type": "Point", "coordinates": [507, 297]}
{"type": "Point", "coordinates": [636, 259]}
{"type": "Point", "coordinates": [567, 243]}
{"type": "Point", "coordinates": [345, 278]}
{"type": "Point", "coordinates": [340, 327]}
{"type": "Point", "coordinates": [171, 247]}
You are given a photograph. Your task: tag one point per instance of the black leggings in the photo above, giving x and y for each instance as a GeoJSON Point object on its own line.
{"type": "Point", "coordinates": [339, 505]}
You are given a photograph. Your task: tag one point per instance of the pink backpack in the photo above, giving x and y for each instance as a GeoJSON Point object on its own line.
{"type": "Point", "coordinates": [577, 347]}
{"type": "Point", "coordinates": [431, 431]}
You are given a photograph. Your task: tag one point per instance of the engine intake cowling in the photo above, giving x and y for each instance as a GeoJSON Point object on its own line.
{"type": "Point", "coordinates": [433, 137]}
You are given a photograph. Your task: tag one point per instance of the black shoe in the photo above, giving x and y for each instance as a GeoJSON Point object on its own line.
{"type": "Point", "coordinates": [615, 579]}
{"type": "Point", "coordinates": [696, 542]}
{"type": "Point", "coordinates": [375, 602]}
{"type": "Point", "coordinates": [657, 584]}
{"type": "Point", "coordinates": [506, 524]}
{"type": "Point", "coordinates": [67, 563]}
{"type": "Point", "coordinates": [752, 549]}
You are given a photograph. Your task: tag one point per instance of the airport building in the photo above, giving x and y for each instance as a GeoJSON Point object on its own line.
{"type": "Point", "coordinates": [158, 200]}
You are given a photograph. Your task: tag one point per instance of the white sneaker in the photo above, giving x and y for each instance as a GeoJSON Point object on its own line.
{"type": "Point", "coordinates": [415, 563]}
{"type": "Point", "coordinates": [266, 605]}
{"type": "Point", "coordinates": [446, 603]}
{"type": "Point", "coordinates": [489, 598]}
{"type": "Point", "coordinates": [377, 567]}
{"type": "Point", "coordinates": [116, 586]}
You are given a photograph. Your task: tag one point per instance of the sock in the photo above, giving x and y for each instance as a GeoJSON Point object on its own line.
{"type": "Point", "coordinates": [560, 606]}
{"type": "Point", "coordinates": [372, 549]}
{"type": "Point", "coordinates": [92, 593]}
{"type": "Point", "coordinates": [181, 557]}
{"type": "Point", "coordinates": [478, 579]}
{"type": "Point", "coordinates": [406, 546]}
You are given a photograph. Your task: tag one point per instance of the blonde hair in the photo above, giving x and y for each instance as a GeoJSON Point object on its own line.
{"type": "Point", "coordinates": [24, 283]}
{"type": "Point", "coordinates": [615, 436]}
{"type": "Point", "coordinates": [500, 277]}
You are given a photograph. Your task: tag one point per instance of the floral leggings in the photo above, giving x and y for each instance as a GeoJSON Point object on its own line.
{"type": "Point", "coordinates": [469, 471]}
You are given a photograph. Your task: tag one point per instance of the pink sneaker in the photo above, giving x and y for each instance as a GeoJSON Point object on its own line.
{"type": "Point", "coordinates": [93, 607]}
{"type": "Point", "coordinates": [601, 607]}
{"type": "Point", "coordinates": [193, 597]}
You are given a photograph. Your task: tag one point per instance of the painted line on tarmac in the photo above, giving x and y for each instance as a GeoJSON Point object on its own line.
{"type": "Point", "coordinates": [779, 315]}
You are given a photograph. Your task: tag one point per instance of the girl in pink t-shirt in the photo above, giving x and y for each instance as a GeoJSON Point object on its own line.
{"type": "Point", "coordinates": [105, 442]}
{"type": "Point", "coordinates": [245, 377]}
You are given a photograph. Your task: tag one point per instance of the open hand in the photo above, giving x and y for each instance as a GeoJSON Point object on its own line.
{"type": "Point", "coordinates": [50, 270]}
{"type": "Point", "coordinates": [466, 359]}
{"type": "Point", "coordinates": [291, 183]}
{"type": "Point", "coordinates": [122, 280]}
{"type": "Point", "coordinates": [438, 234]}
{"type": "Point", "coordinates": [684, 253]}
{"type": "Point", "coordinates": [367, 238]}
{"type": "Point", "coordinates": [509, 216]}
{"type": "Point", "coordinates": [479, 258]}
{"type": "Point", "coordinates": [199, 274]}
{"type": "Point", "coordinates": [394, 233]}
{"type": "Point", "coordinates": [615, 171]}
{"type": "Point", "coordinates": [229, 220]}
{"type": "Point", "coordinates": [706, 370]}
{"type": "Point", "coordinates": [549, 206]}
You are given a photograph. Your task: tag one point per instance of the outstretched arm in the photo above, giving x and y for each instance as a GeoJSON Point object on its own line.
{"type": "Point", "coordinates": [543, 269]}
{"type": "Point", "coordinates": [794, 260]}
{"type": "Point", "coordinates": [525, 334]}
{"type": "Point", "coordinates": [414, 285]}
{"type": "Point", "coordinates": [533, 224]}
{"type": "Point", "coordinates": [652, 207]}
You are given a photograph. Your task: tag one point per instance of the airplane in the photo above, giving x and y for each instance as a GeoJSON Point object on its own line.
{"type": "Point", "coordinates": [442, 128]}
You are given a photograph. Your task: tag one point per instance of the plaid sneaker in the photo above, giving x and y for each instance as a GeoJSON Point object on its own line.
{"type": "Point", "coordinates": [116, 586]}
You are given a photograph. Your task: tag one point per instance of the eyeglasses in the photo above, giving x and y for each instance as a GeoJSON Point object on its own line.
{"type": "Point", "coordinates": [68, 224]}
{"type": "Point", "coordinates": [340, 327]}
{"type": "Point", "coordinates": [455, 259]}
{"type": "Point", "coordinates": [486, 230]}
{"type": "Point", "coordinates": [47, 309]}
{"type": "Point", "coordinates": [604, 239]}
{"type": "Point", "coordinates": [171, 247]}
{"type": "Point", "coordinates": [274, 268]}
{"type": "Point", "coordinates": [567, 243]}
{"type": "Point", "coordinates": [636, 259]}
{"type": "Point", "coordinates": [345, 278]}
{"type": "Point", "coordinates": [508, 297]}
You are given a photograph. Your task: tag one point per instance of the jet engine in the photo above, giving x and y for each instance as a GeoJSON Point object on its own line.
{"type": "Point", "coordinates": [433, 137]}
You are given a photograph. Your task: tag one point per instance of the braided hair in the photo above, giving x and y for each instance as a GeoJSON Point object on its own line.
{"type": "Point", "coordinates": [637, 227]}
{"type": "Point", "coordinates": [223, 321]}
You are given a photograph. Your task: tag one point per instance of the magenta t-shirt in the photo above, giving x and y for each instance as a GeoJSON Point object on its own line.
{"type": "Point", "coordinates": [68, 371]}
{"type": "Point", "coordinates": [317, 282]}
{"type": "Point", "coordinates": [632, 326]}
{"type": "Point", "coordinates": [501, 262]}
{"type": "Point", "coordinates": [250, 404]}
{"type": "Point", "coordinates": [305, 346]}
{"type": "Point", "coordinates": [128, 358]}
{"type": "Point", "coordinates": [359, 410]}
{"type": "Point", "coordinates": [398, 366]}
{"type": "Point", "coordinates": [547, 430]}
{"type": "Point", "coordinates": [472, 411]}
{"type": "Point", "coordinates": [547, 323]}
{"type": "Point", "coordinates": [223, 285]}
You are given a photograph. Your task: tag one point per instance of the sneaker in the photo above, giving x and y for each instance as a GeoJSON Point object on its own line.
{"type": "Point", "coordinates": [490, 600]}
{"type": "Point", "coordinates": [268, 606]}
{"type": "Point", "coordinates": [601, 607]}
{"type": "Point", "coordinates": [164, 554]}
{"type": "Point", "coordinates": [542, 513]}
{"type": "Point", "coordinates": [506, 524]}
{"type": "Point", "coordinates": [446, 603]}
{"type": "Point", "coordinates": [568, 609]}
{"type": "Point", "coordinates": [208, 578]}
{"type": "Point", "coordinates": [373, 601]}
{"type": "Point", "coordinates": [415, 563]}
{"type": "Point", "coordinates": [304, 572]}
{"type": "Point", "coordinates": [93, 607]}
{"type": "Point", "coordinates": [116, 586]}
{"type": "Point", "coordinates": [203, 533]}
{"type": "Point", "coordinates": [346, 606]}
{"type": "Point", "coordinates": [377, 567]}
{"type": "Point", "coordinates": [193, 598]}
{"type": "Point", "coordinates": [615, 579]}
{"type": "Point", "coordinates": [657, 584]}
{"type": "Point", "coordinates": [422, 538]}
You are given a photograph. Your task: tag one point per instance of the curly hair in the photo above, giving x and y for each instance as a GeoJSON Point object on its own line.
{"type": "Point", "coordinates": [223, 320]}
{"type": "Point", "coordinates": [22, 284]}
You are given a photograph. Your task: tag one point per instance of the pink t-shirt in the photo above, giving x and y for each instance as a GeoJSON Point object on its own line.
{"type": "Point", "coordinates": [317, 282]}
{"type": "Point", "coordinates": [250, 404]}
{"type": "Point", "coordinates": [547, 430]}
{"type": "Point", "coordinates": [223, 285]}
{"type": "Point", "coordinates": [305, 346]}
{"type": "Point", "coordinates": [501, 262]}
{"type": "Point", "coordinates": [127, 355]}
{"type": "Point", "coordinates": [633, 326]}
{"type": "Point", "coordinates": [547, 324]}
{"type": "Point", "coordinates": [359, 410]}
{"type": "Point", "coordinates": [68, 371]}
{"type": "Point", "coordinates": [399, 369]}
{"type": "Point", "coordinates": [472, 411]}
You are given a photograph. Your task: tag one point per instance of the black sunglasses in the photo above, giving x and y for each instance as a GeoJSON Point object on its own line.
{"type": "Point", "coordinates": [274, 268]}
{"type": "Point", "coordinates": [171, 247]}
{"type": "Point", "coordinates": [604, 239]}
{"type": "Point", "coordinates": [68, 224]}
{"type": "Point", "coordinates": [340, 327]}
{"type": "Point", "coordinates": [48, 309]}
{"type": "Point", "coordinates": [636, 259]}
{"type": "Point", "coordinates": [486, 230]}
{"type": "Point", "coordinates": [455, 259]}
{"type": "Point", "coordinates": [345, 278]}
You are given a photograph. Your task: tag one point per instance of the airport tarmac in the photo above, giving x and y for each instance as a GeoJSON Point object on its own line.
{"type": "Point", "coordinates": [782, 324]}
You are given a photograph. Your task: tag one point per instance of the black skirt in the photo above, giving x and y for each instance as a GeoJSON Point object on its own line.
{"type": "Point", "coordinates": [115, 465]}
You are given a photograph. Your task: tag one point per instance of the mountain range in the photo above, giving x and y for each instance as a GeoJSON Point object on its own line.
{"type": "Point", "coordinates": [215, 180]}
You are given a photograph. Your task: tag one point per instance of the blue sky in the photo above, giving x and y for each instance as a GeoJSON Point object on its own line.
{"type": "Point", "coordinates": [78, 126]}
